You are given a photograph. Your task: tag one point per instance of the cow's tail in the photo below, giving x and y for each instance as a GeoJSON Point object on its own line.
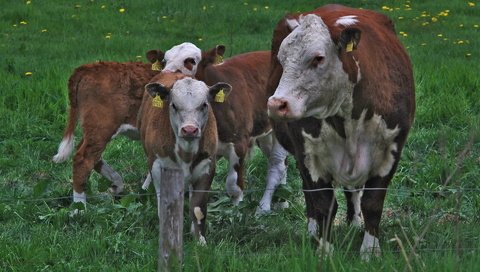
{"type": "Point", "coordinates": [66, 145]}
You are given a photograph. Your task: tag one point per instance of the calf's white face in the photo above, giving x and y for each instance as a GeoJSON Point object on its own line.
{"type": "Point", "coordinates": [183, 58]}
{"type": "Point", "coordinates": [188, 102]}
{"type": "Point", "coordinates": [313, 82]}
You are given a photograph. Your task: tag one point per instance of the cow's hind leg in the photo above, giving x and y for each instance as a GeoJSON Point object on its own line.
{"type": "Point", "coordinates": [354, 212]}
{"type": "Point", "coordinates": [113, 176]}
{"type": "Point", "coordinates": [277, 172]}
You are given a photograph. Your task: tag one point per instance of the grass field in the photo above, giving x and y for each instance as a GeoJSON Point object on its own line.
{"type": "Point", "coordinates": [432, 212]}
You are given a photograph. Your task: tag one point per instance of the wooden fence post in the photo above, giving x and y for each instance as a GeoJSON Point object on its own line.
{"type": "Point", "coordinates": [170, 214]}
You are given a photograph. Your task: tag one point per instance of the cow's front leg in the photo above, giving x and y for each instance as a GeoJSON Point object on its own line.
{"type": "Point", "coordinates": [321, 210]}
{"type": "Point", "coordinates": [372, 207]}
{"type": "Point", "coordinates": [198, 206]}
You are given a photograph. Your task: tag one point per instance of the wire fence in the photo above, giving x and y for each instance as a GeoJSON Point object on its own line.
{"type": "Point", "coordinates": [250, 191]}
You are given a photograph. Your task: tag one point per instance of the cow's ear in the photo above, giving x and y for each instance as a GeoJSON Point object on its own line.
{"type": "Point", "coordinates": [155, 55]}
{"type": "Point", "coordinates": [219, 92]}
{"type": "Point", "coordinates": [349, 39]}
{"type": "Point", "coordinates": [219, 52]}
{"type": "Point", "coordinates": [292, 23]}
{"type": "Point", "coordinates": [157, 89]}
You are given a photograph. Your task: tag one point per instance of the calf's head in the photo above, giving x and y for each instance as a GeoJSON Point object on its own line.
{"type": "Point", "coordinates": [313, 82]}
{"type": "Point", "coordinates": [188, 101]}
{"type": "Point", "coordinates": [183, 58]}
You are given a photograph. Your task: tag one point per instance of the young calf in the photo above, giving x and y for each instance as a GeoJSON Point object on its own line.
{"type": "Point", "coordinates": [243, 120]}
{"type": "Point", "coordinates": [105, 98]}
{"type": "Point", "coordinates": [178, 131]}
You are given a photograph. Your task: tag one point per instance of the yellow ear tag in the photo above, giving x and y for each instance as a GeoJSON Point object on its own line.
{"type": "Point", "coordinates": [156, 66]}
{"type": "Point", "coordinates": [218, 59]}
{"type": "Point", "coordinates": [220, 97]}
{"type": "Point", "coordinates": [157, 102]}
{"type": "Point", "coordinates": [349, 47]}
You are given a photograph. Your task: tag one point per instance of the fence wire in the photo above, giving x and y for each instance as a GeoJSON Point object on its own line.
{"type": "Point", "coordinates": [250, 191]}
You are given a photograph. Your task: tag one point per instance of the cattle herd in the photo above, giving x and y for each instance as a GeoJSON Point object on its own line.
{"type": "Point", "coordinates": [336, 92]}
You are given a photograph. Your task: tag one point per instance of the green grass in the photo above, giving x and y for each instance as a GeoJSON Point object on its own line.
{"type": "Point", "coordinates": [50, 38]}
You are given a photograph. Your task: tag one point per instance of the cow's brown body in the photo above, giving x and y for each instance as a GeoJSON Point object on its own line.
{"type": "Point", "coordinates": [244, 116]}
{"type": "Point", "coordinates": [383, 87]}
{"type": "Point", "coordinates": [103, 96]}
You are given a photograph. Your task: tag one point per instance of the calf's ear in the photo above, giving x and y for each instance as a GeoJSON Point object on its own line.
{"type": "Point", "coordinates": [155, 55]}
{"type": "Point", "coordinates": [349, 39]}
{"type": "Point", "coordinates": [219, 92]}
{"type": "Point", "coordinates": [154, 89]}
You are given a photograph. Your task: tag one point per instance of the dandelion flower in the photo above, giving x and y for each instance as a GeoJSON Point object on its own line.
{"type": "Point", "coordinates": [28, 2]}
{"type": "Point", "coordinates": [121, 10]}
{"type": "Point", "coordinates": [471, 4]}
{"type": "Point", "coordinates": [23, 22]}
{"type": "Point", "coordinates": [28, 73]}
{"type": "Point", "coordinates": [103, 6]}
{"type": "Point", "coordinates": [255, 9]}
{"type": "Point", "coordinates": [468, 55]}
{"type": "Point", "coordinates": [434, 19]}
{"type": "Point", "coordinates": [266, 7]}
{"type": "Point", "coordinates": [44, 30]}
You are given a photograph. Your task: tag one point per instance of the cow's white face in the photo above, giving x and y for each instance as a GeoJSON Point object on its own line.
{"type": "Point", "coordinates": [313, 82]}
{"type": "Point", "coordinates": [183, 58]}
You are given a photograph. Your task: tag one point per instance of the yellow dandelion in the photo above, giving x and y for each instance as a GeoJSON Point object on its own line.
{"type": "Point", "coordinates": [103, 6]}
{"type": "Point", "coordinates": [204, 8]}
{"type": "Point", "coordinates": [434, 19]}
{"type": "Point", "coordinates": [44, 30]}
{"type": "Point", "coordinates": [423, 44]}
{"type": "Point", "coordinates": [23, 22]}
{"type": "Point", "coordinates": [475, 26]}
{"type": "Point", "coordinates": [121, 10]}
{"type": "Point", "coordinates": [138, 57]}
{"type": "Point", "coordinates": [439, 35]}
{"type": "Point", "coordinates": [200, 39]}
{"type": "Point", "coordinates": [164, 17]}
{"type": "Point", "coordinates": [471, 4]}
{"type": "Point", "coordinates": [266, 7]}
{"type": "Point", "coordinates": [385, 8]}
{"type": "Point", "coordinates": [400, 18]}
{"type": "Point", "coordinates": [255, 9]}
{"type": "Point", "coordinates": [460, 42]}
{"type": "Point", "coordinates": [425, 23]}
{"type": "Point", "coordinates": [407, 5]}
{"type": "Point", "coordinates": [28, 2]}
{"type": "Point", "coordinates": [78, 6]}
{"type": "Point", "coordinates": [14, 25]}
{"type": "Point", "coordinates": [468, 55]}
{"type": "Point", "coordinates": [460, 25]}
{"type": "Point", "coordinates": [28, 73]}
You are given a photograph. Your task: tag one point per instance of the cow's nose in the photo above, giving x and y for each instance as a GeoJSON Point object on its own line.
{"type": "Point", "coordinates": [277, 107]}
{"type": "Point", "coordinates": [189, 131]}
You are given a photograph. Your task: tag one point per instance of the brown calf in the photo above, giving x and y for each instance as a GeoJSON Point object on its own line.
{"type": "Point", "coordinates": [179, 132]}
{"type": "Point", "coordinates": [243, 119]}
{"type": "Point", "coordinates": [343, 103]}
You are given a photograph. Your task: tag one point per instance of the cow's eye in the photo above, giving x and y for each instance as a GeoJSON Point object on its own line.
{"type": "Point", "coordinates": [189, 60]}
{"type": "Point", "coordinates": [204, 106]}
{"type": "Point", "coordinates": [317, 60]}
{"type": "Point", "coordinates": [163, 62]}
{"type": "Point", "coordinates": [174, 107]}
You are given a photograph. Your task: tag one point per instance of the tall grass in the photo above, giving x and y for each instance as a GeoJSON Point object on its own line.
{"type": "Point", "coordinates": [431, 216]}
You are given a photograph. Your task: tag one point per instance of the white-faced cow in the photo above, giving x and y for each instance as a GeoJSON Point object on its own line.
{"type": "Point", "coordinates": [105, 98]}
{"type": "Point", "coordinates": [343, 103]}
{"type": "Point", "coordinates": [243, 119]}
{"type": "Point", "coordinates": [179, 131]}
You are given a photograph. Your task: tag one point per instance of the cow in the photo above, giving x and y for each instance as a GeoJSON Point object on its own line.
{"type": "Point", "coordinates": [179, 131]}
{"type": "Point", "coordinates": [105, 98]}
{"type": "Point", "coordinates": [243, 119]}
{"type": "Point", "coordinates": [343, 102]}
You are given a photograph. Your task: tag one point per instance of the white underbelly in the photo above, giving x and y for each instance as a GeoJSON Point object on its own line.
{"type": "Point", "coordinates": [364, 153]}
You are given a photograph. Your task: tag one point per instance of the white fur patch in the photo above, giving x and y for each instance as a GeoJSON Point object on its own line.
{"type": "Point", "coordinates": [312, 227]}
{"type": "Point", "coordinates": [227, 150]}
{"type": "Point", "coordinates": [128, 131]}
{"type": "Point", "coordinates": [347, 20]}
{"type": "Point", "coordinates": [198, 214]}
{"type": "Point", "coordinates": [357, 215]}
{"type": "Point", "coordinates": [64, 149]}
{"type": "Point", "coordinates": [325, 248]}
{"type": "Point", "coordinates": [176, 56]}
{"type": "Point", "coordinates": [202, 168]}
{"type": "Point", "coordinates": [366, 151]}
{"type": "Point", "coordinates": [79, 197]}
{"type": "Point", "coordinates": [370, 247]}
